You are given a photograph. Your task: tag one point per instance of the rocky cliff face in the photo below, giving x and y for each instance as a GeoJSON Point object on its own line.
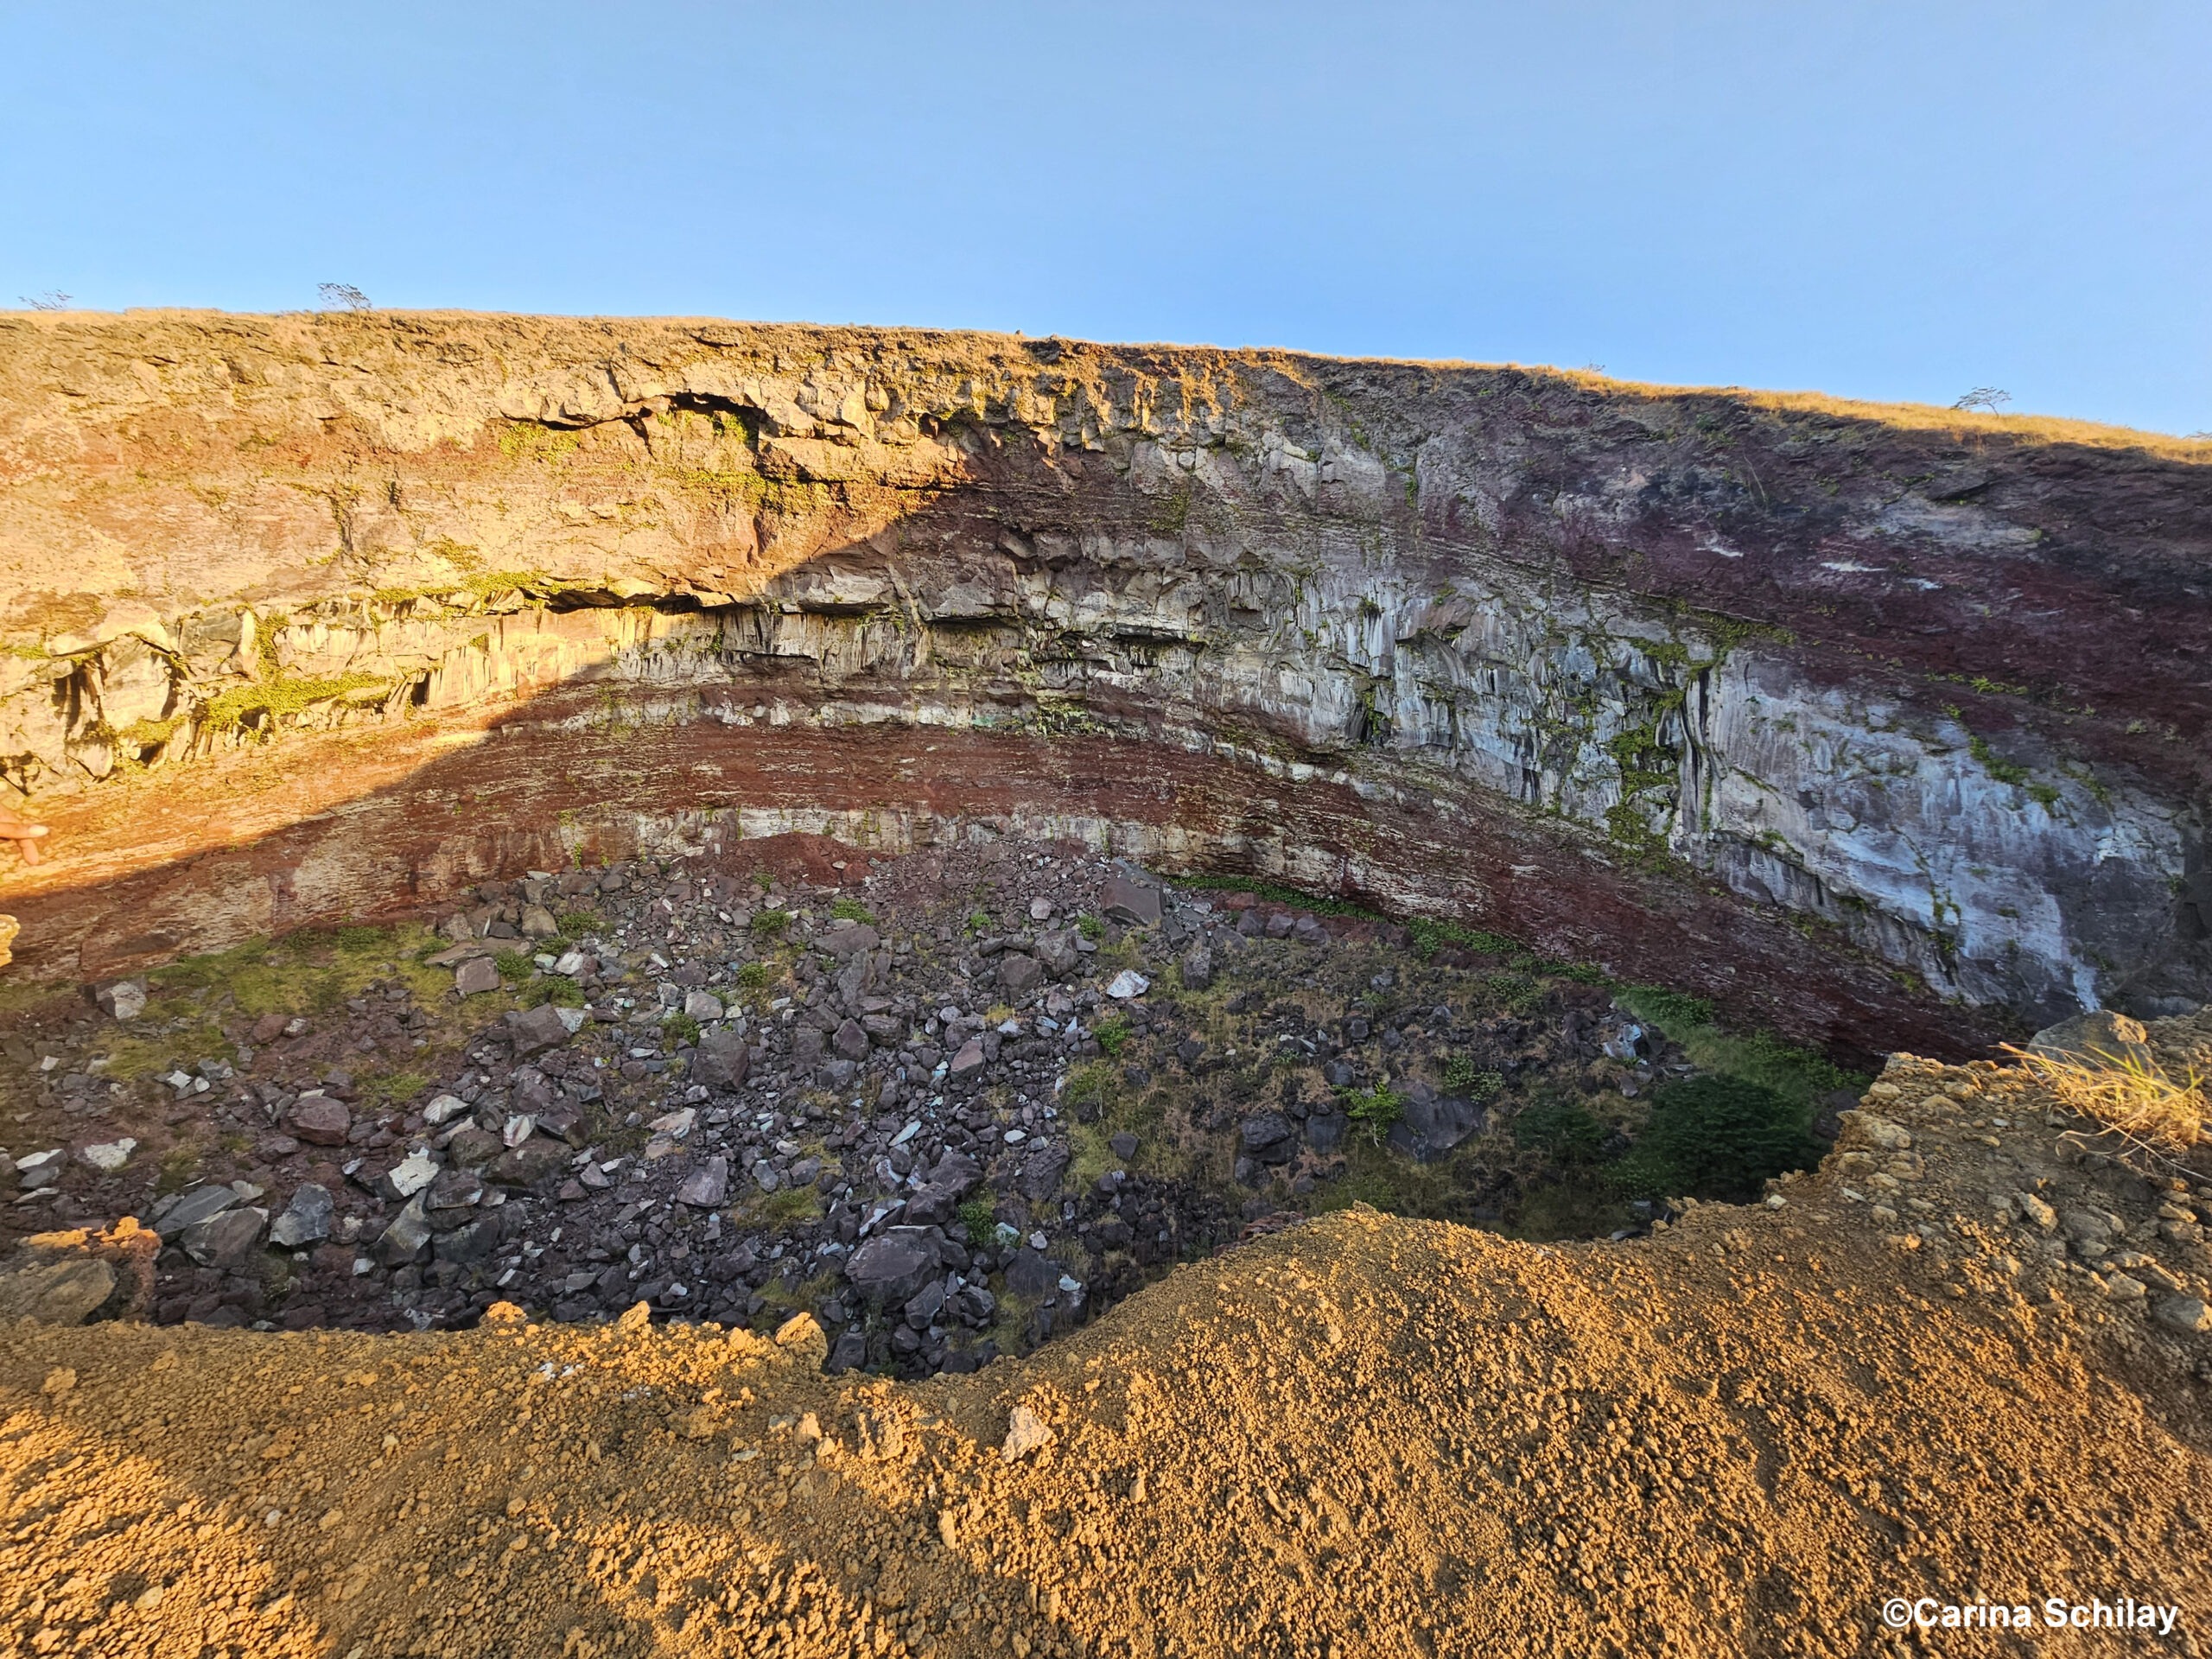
{"type": "Point", "coordinates": [1842, 714]}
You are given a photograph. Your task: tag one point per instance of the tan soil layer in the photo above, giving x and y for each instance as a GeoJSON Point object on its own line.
{"type": "Point", "coordinates": [1363, 1437]}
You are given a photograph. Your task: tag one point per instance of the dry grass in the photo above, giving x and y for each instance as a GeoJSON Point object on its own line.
{"type": "Point", "coordinates": [2126, 1092]}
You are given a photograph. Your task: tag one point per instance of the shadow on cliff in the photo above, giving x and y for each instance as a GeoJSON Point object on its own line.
{"type": "Point", "coordinates": [369, 821]}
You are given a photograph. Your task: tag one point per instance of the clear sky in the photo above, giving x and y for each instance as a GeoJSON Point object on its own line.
{"type": "Point", "coordinates": [1889, 201]}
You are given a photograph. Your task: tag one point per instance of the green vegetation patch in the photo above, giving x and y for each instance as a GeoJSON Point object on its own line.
{"type": "Point", "coordinates": [1274, 893]}
{"type": "Point", "coordinates": [277, 699]}
{"type": "Point", "coordinates": [312, 972]}
{"type": "Point", "coordinates": [1799, 1076]}
{"type": "Point", "coordinates": [977, 1222]}
{"type": "Point", "coordinates": [1716, 1138]}
{"type": "Point", "coordinates": [1560, 1128]}
{"type": "Point", "coordinates": [1376, 1111]}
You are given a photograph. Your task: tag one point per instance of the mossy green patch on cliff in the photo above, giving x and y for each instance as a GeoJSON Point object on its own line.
{"type": "Point", "coordinates": [1170, 516]}
{"type": "Point", "coordinates": [534, 441]}
{"type": "Point", "coordinates": [474, 586]}
{"type": "Point", "coordinates": [274, 700]}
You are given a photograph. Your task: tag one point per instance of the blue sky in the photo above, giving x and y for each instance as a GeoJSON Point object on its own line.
{"type": "Point", "coordinates": [1874, 199]}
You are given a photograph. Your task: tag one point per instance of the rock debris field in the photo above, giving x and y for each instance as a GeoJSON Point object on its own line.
{"type": "Point", "coordinates": [682, 1353]}
{"type": "Point", "coordinates": [948, 1106]}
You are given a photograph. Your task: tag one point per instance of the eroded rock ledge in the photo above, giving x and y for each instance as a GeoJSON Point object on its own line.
{"type": "Point", "coordinates": [1877, 710]}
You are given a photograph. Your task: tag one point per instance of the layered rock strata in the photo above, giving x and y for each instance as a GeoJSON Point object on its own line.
{"type": "Point", "coordinates": [1860, 720]}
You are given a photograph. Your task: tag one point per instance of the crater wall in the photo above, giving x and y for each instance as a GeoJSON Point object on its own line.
{"type": "Point", "coordinates": [1885, 727]}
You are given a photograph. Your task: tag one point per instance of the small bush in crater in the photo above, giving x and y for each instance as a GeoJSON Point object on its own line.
{"type": "Point", "coordinates": [770, 924]}
{"type": "Point", "coordinates": [513, 965]}
{"type": "Point", "coordinates": [852, 909]}
{"type": "Point", "coordinates": [1463, 1077]}
{"type": "Point", "coordinates": [755, 975]}
{"type": "Point", "coordinates": [975, 1218]}
{"type": "Point", "coordinates": [1716, 1138]}
{"type": "Point", "coordinates": [1376, 1109]}
{"type": "Point", "coordinates": [1562, 1129]}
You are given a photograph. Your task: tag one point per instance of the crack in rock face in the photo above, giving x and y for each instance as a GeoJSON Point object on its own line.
{"type": "Point", "coordinates": [1743, 692]}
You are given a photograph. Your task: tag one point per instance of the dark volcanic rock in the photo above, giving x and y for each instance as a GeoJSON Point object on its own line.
{"type": "Point", "coordinates": [891, 1269]}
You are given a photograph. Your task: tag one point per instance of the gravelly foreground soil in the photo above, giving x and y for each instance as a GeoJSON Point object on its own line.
{"type": "Point", "coordinates": [1362, 1436]}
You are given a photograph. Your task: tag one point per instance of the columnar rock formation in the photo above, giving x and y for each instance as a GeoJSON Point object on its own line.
{"type": "Point", "coordinates": [1842, 714]}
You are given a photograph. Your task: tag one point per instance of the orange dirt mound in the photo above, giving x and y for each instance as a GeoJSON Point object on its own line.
{"type": "Point", "coordinates": [1361, 1436]}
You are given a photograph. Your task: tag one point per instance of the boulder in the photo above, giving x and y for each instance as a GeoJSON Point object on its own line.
{"type": "Point", "coordinates": [1269, 1136]}
{"type": "Point", "coordinates": [1324, 1131]}
{"type": "Point", "coordinates": [319, 1120]}
{"type": "Point", "coordinates": [707, 1186]}
{"type": "Point", "coordinates": [703, 1006]}
{"type": "Point", "coordinates": [476, 975]}
{"type": "Point", "coordinates": [68, 1291]}
{"type": "Point", "coordinates": [470, 1243]}
{"type": "Point", "coordinates": [934, 1203]}
{"type": "Point", "coordinates": [1434, 1124]}
{"type": "Point", "coordinates": [1026, 1431]}
{"type": "Point", "coordinates": [891, 1268]}
{"type": "Point", "coordinates": [444, 1109]}
{"type": "Point", "coordinates": [969, 1060]}
{"type": "Point", "coordinates": [407, 1237]}
{"type": "Point", "coordinates": [454, 1189]}
{"type": "Point", "coordinates": [1031, 1275]}
{"type": "Point", "coordinates": [1127, 985]}
{"type": "Point", "coordinates": [2102, 1041]}
{"type": "Point", "coordinates": [1196, 969]}
{"type": "Point", "coordinates": [1020, 974]}
{"type": "Point", "coordinates": [535, 1030]}
{"type": "Point", "coordinates": [1041, 1171]}
{"type": "Point", "coordinates": [722, 1060]}
{"type": "Point", "coordinates": [407, 1177]}
{"type": "Point", "coordinates": [108, 1156]}
{"type": "Point", "coordinates": [537, 922]}
{"type": "Point", "coordinates": [844, 942]}
{"type": "Point", "coordinates": [191, 1208]}
{"type": "Point", "coordinates": [472, 1146]}
{"type": "Point", "coordinates": [1057, 951]}
{"type": "Point", "coordinates": [528, 1164]}
{"type": "Point", "coordinates": [1133, 903]}
{"type": "Point", "coordinates": [2187, 1314]}
{"type": "Point", "coordinates": [306, 1220]}
{"type": "Point", "coordinates": [851, 1040]}
{"type": "Point", "coordinates": [124, 1000]}
{"type": "Point", "coordinates": [224, 1241]}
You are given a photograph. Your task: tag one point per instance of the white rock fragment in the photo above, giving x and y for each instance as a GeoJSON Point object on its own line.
{"type": "Point", "coordinates": [1026, 1431]}
{"type": "Point", "coordinates": [109, 1155]}
{"type": "Point", "coordinates": [124, 1000]}
{"type": "Point", "coordinates": [444, 1108]}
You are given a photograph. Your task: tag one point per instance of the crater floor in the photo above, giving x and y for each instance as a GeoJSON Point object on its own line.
{"type": "Point", "coordinates": [947, 1104]}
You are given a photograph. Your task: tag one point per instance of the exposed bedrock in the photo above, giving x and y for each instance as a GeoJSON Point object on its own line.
{"type": "Point", "coordinates": [1842, 715]}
